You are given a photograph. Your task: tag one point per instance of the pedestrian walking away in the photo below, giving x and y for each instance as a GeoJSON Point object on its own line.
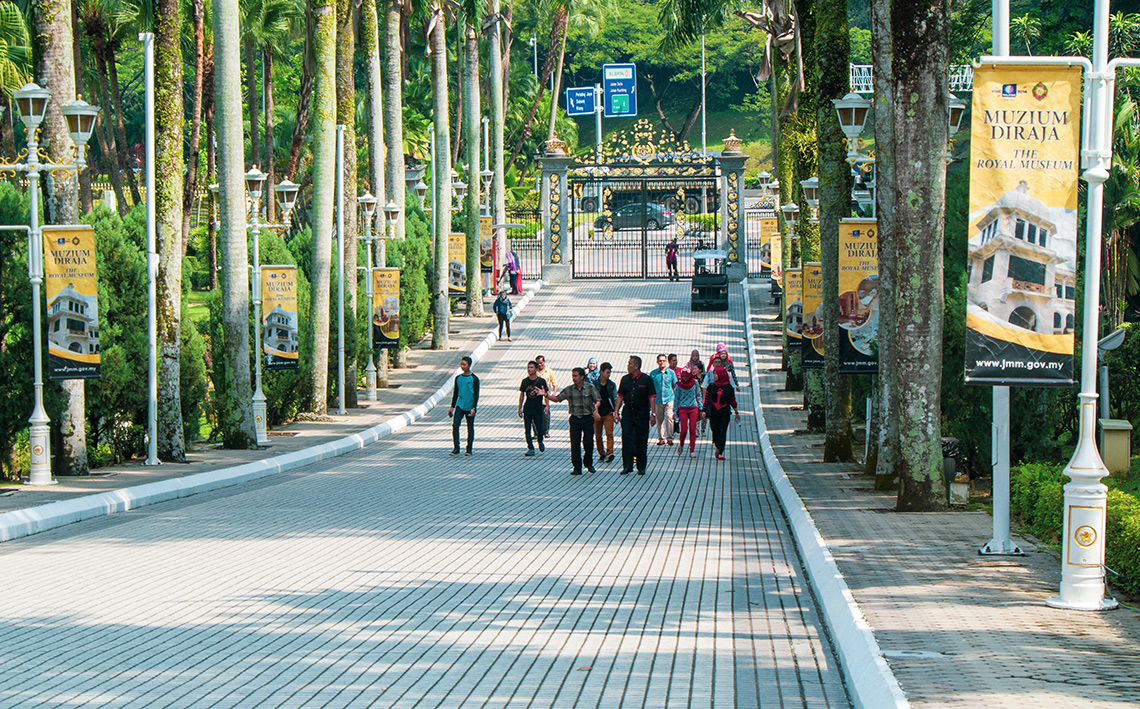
{"type": "Point", "coordinates": [664, 381]}
{"type": "Point", "coordinates": [464, 399]}
{"type": "Point", "coordinates": [635, 390]}
{"type": "Point", "coordinates": [532, 406]}
{"type": "Point", "coordinates": [720, 404]}
{"type": "Point", "coordinates": [607, 390]}
{"type": "Point", "coordinates": [583, 401]}
{"type": "Point", "coordinates": [689, 405]}
{"type": "Point", "coordinates": [502, 310]}
{"type": "Point", "coordinates": [671, 260]}
{"type": "Point", "coordinates": [515, 272]}
{"type": "Point", "coordinates": [552, 385]}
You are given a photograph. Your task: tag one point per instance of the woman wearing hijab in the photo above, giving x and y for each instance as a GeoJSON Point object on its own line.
{"type": "Point", "coordinates": [725, 361]}
{"type": "Point", "coordinates": [720, 404]}
{"type": "Point", "coordinates": [688, 403]}
{"type": "Point", "coordinates": [592, 370]}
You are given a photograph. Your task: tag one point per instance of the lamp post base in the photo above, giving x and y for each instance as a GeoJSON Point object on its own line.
{"type": "Point", "coordinates": [1105, 604]}
{"type": "Point", "coordinates": [1001, 547]}
{"type": "Point", "coordinates": [259, 423]}
{"type": "Point", "coordinates": [370, 380]}
{"type": "Point", "coordinates": [39, 469]}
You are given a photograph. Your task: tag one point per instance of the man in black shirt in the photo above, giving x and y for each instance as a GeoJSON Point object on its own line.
{"type": "Point", "coordinates": [635, 391]}
{"type": "Point", "coordinates": [607, 389]}
{"type": "Point", "coordinates": [532, 406]}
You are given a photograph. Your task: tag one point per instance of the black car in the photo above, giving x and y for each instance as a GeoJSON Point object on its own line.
{"type": "Point", "coordinates": [636, 216]}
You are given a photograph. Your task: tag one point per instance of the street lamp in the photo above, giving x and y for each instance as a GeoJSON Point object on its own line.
{"type": "Point", "coordinates": [32, 104]}
{"type": "Point", "coordinates": [811, 196]}
{"type": "Point", "coordinates": [852, 110]}
{"type": "Point", "coordinates": [790, 211]}
{"type": "Point", "coordinates": [368, 204]}
{"type": "Point", "coordinates": [286, 198]}
{"type": "Point", "coordinates": [421, 193]}
{"type": "Point", "coordinates": [391, 216]}
{"type": "Point", "coordinates": [32, 101]}
{"type": "Point", "coordinates": [955, 110]}
{"type": "Point", "coordinates": [486, 177]}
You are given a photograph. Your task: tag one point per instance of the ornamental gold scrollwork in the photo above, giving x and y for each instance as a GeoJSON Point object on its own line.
{"type": "Point", "coordinates": [643, 152]}
{"type": "Point", "coordinates": [555, 218]}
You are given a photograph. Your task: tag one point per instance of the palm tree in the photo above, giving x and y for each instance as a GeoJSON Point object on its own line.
{"type": "Point", "coordinates": [56, 71]}
{"type": "Point", "coordinates": [370, 45]}
{"type": "Point", "coordinates": [235, 417]}
{"type": "Point", "coordinates": [168, 221]}
{"type": "Point", "coordinates": [441, 205]}
{"type": "Point", "coordinates": [1027, 28]}
{"type": "Point", "coordinates": [323, 118]}
{"type": "Point", "coordinates": [97, 17]}
{"type": "Point", "coordinates": [15, 49]}
{"type": "Point", "coordinates": [190, 186]}
{"type": "Point", "coordinates": [346, 116]}
{"type": "Point", "coordinates": [498, 196]}
{"type": "Point", "coordinates": [472, 126]}
{"type": "Point", "coordinates": [393, 109]}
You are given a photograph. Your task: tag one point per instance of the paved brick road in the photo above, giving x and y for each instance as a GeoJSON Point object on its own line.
{"type": "Point", "coordinates": [399, 576]}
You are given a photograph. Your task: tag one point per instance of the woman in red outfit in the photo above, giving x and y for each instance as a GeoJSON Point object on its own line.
{"type": "Point", "coordinates": [720, 404]}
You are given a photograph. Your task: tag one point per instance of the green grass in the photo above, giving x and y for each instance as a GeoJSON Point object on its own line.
{"type": "Point", "coordinates": [196, 307]}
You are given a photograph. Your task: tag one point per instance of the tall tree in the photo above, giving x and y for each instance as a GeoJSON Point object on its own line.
{"type": "Point", "coordinates": [497, 70]}
{"type": "Point", "coordinates": [169, 109]}
{"type": "Point", "coordinates": [913, 144]}
{"type": "Point", "coordinates": [236, 415]}
{"type": "Point", "coordinates": [97, 20]}
{"type": "Point", "coordinates": [190, 186]}
{"type": "Point", "coordinates": [370, 46]}
{"type": "Point", "coordinates": [832, 81]}
{"type": "Point", "coordinates": [56, 72]}
{"type": "Point", "coordinates": [441, 205]}
{"type": "Point", "coordinates": [393, 109]}
{"type": "Point", "coordinates": [472, 125]}
{"type": "Point", "coordinates": [323, 117]}
{"type": "Point", "coordinates": [346, 116]}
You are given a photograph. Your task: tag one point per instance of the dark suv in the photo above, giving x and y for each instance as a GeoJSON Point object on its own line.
{"type": "Point", "coordinates": [636, 216]}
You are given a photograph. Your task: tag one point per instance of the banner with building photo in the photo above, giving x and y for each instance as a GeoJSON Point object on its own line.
{"type": "Point", "coordinates": [385, 308]}
{"type": "Point", "coordinates": [456, 265]}
{"type": "Point", "coordinates": [768, 228]}
{"type": "Point", "coordinates": [1021, 295]}
{"type": "Point", "coordinates": [858, 296]}
{"type": "Point", "coordinates": [279, 322]}
{"type": "Point", "coordinates": [794, 306]}
{"type": "Point", "coordinates": [777, 248]}
{"type": "Point", "coordinates": [72, 302]}
{"type": "Point", "coordinates": [812, 357]}
{"type": "Point", "coordinates": [486, 245]}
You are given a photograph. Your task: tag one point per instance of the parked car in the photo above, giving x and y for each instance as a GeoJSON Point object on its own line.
{"type": "Point", "coordinates": [636, 216]}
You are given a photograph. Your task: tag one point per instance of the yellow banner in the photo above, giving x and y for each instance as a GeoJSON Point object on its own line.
{"type": "Point", "coordinates": [385, 307]}
{"type": "Point", "coordinates": [794, 309]}
{"type": "Point", "coordinates": [72, 302]}
{"type": "Point", "coordinates": [456, 265]}
{"type": "Point", "coordinates": [486, 245]}
{"type": "Point", "coordinates": [279, 324]}
{"type": "Point", "coordinates": [813, 315]}
{"type": "Point", "coordinates": [769, 228]}
{"type": "Point", "coordinates": [1021, 296]}
{"type": "Point", "coordinates": [858, 295]}
{"type": "Point", "coordinates": [777, 258]}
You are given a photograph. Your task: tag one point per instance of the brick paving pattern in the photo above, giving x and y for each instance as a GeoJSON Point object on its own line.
{"type": "Point", "coordinates": [399, 576]}
{"type": "Point", "coordinates": [957, 628]}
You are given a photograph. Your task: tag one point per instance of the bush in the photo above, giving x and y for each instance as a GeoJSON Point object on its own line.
{"type": "Point", "coordinates": [1124, 380]}
{"type": "Point", "coordinates": [1122, 530]}
{"type": "Point", "coordinates": [413, 256]}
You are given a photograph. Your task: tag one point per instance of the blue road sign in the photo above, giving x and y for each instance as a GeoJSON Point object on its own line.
{"type": "Point", "coordinates": [619, 84]}
{"type": "Point", "coordinates": [579, 100]}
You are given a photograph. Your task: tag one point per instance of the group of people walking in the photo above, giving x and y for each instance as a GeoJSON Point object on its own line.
{"type": "Point", "coordinates": [669, 399]}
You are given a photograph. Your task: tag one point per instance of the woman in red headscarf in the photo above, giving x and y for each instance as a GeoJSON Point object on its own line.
{"type": "Point", "coordinates": [688, 403]}
{"type": "Point", "coordinates": [720, 404]}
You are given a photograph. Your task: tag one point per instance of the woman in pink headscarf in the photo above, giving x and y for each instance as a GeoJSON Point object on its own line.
{"type": "Point", "coordinates": [688, 403]}
{"type": "Point", "coordinates": [722, 353]}
{"type": "Point", "coordinates": [720, 404]}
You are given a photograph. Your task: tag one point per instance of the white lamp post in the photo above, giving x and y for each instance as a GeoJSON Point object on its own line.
{"type": "Point", "coordinates": [368, 203]}
{"type": "Point", "coordinates": [811, 196]}
{"type": "Point", "coordinates": [32, 102]}
{"type": "Point", "coordinates": [791, 211]}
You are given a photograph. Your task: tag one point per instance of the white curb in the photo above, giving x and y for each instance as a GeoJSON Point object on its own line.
{"type": "Point", "coordinates": [21, 523]}
{"type": "Point", "coordinates": [870, 681]}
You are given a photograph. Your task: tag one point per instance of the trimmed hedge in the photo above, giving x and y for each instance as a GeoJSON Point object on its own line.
{"type": "Point", "coordinates": [1037, 498]}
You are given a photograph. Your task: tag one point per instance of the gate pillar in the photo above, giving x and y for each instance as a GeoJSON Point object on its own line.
{"type": "Point", "coordinates": [555, 164]}
{"type": "Point", "coordinates": [732, 206]}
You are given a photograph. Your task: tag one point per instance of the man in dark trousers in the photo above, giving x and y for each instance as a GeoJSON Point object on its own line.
{"type": "Point", "coordinates": [532, 407]}
{"type": "Point", "coordinates": [464, 399]}
{"type": "Point", "coordinates": [637, 392]}
{"type": "Point", "coordinates": [584, 399]}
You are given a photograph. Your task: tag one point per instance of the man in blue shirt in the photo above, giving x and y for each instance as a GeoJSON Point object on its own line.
{"type": "Point", "coordinates": [664, 381]}
{"type": "Point", "coordinates": [464, 399]}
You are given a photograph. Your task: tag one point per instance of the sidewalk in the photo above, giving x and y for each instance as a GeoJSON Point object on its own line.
{"type": "Point", "coordinates": [408, 387]}
{"type": "Point", "coordinates": [955, 627]}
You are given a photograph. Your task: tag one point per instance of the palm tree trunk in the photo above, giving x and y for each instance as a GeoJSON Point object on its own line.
{"type": "Point", "coordinates": [120, 126]}
{"type": "Point", "coordinates": [56, 72]}
{"type": "Point", "coordinates": [251, 100]}
{"type": "Point", "coordinates": [472, 124]}
{"type": "Point", "coordinates": [557, 84]}
{"type": "Point", "coordinates": [497, 71]}
{"type": "Point", "coordinates": [506, 40]}
{"type": "Point", "coordinates": [304, 99]}
{"type": "Point", "coordinates": [832, 54]}
{"type": "Point", "coordinates": [168, 219]}
{"type": "Point", "coordinates": [557, 29]}
{"type": "Point", "coordinates": [270, 199]}
{"type": "Point", "coordinates": [198, 15]}
{"type": "Point", "coordinates": [105, 128]}
{"type": "Point", "coordinates": [914, 241]}
{"type": "Point", "coordinates": [346, 116]}
{"type": "Point", "coordinates": [86, 200]}
{"type": "Point", "coordinates": [393, 112]}
{"type": "Point", "coordinates": [441, 206]}
{"type": "Point", "coordinates": [211, 173]}
{"type": "Point", "coordinates": [370, 41]}
{"type": "Point", "coordinates": [323, 107]}
{"type": "Point", "coordinates": [235, 415]}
